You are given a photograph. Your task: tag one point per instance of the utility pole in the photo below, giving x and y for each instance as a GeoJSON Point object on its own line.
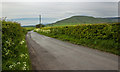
{"type": "Point", "coordinates": [40, 20]}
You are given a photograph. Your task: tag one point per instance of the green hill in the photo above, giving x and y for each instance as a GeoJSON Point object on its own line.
{"type": "Point", "coordinates": [82, 20]}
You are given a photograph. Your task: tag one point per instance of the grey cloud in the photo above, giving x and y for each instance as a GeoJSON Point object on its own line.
{"type": "Point", "coordinates": [57, 10]}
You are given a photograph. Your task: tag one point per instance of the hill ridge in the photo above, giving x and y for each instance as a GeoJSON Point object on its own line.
{"type": "Point", "coordinates": [83, 20]}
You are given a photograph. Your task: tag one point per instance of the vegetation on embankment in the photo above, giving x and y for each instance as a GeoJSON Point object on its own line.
{"type": "Point", "coordinates": [15, 54]}
{"type": "Point", "coordinates": [104, 37]}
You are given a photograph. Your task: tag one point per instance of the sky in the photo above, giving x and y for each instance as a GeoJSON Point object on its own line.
{"type": "Point", "coordinates": [27, 12]}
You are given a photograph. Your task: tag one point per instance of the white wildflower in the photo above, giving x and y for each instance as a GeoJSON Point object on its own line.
{"type": "Point", "coordinates": [18, 62]}
{"type": "Point", "coordinates": [13, 43]}
{"type": "Point", "coordinates": [24, 62]}
{"type": "Point", "coordinates": [8, 42]}
{"type": "Point", "coordinates": [22, 42]}
{"type": "Point", "coordinates": [14, 64]}
{"type": "Point", "coordinates": [22, 55]}
{"type": "Point", "coordinates": [26, 54]}
{"type": "Point", "coordinates": [10, 66]}
{"type": "Point", "coordinates": [25, 65]}
{"type": "Point", "coordinates": [26, 57]}
{"type": "Point", "coordinates": [24, 68]}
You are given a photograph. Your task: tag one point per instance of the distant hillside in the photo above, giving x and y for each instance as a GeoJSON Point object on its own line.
{"type": "Point", "coordinates": [83, 20]}
{"type": "Point", "coordinates": [29, 26]}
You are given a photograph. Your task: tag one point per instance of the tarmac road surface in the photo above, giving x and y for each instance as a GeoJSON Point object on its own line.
{"type": "Point", "coordinates": [51, 54]}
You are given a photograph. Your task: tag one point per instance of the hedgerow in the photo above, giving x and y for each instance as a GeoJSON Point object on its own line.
{"type": "Point", "coordinates": [104, 37]}
{"type": "Point", "coordinates": [14, 49]}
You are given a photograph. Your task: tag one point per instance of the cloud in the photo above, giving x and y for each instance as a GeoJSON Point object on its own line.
{"type": "Point", "coordinates": [60, 0]}
{"type": "Point", "coordinates": [57, 10]}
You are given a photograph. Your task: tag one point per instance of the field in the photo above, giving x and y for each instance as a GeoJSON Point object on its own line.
{"type": "Point", "coordinates": [29, 28]}
{"type": "Point", "coordinates": [15, 54]}
{"type": "Point", "coordinates": [104, 37]}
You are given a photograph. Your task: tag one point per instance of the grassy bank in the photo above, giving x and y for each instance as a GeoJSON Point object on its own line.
{"type": "Point", "coordinates": [15, 54]}
{"type": "Point", "coordinates": [104, 37]}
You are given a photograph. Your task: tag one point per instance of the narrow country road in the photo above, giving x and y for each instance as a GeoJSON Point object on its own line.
{"type": "Point", "coordinates": [51, 54]}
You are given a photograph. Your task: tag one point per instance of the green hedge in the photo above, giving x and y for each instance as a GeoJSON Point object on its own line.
{"type": "Point", "coordinates": [104, 36]}
{"type": "Point", "coordinates": [14, 49]}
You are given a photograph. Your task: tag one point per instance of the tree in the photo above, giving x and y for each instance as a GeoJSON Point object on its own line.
{"type": "Point", "coordinates": [39, 25]}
